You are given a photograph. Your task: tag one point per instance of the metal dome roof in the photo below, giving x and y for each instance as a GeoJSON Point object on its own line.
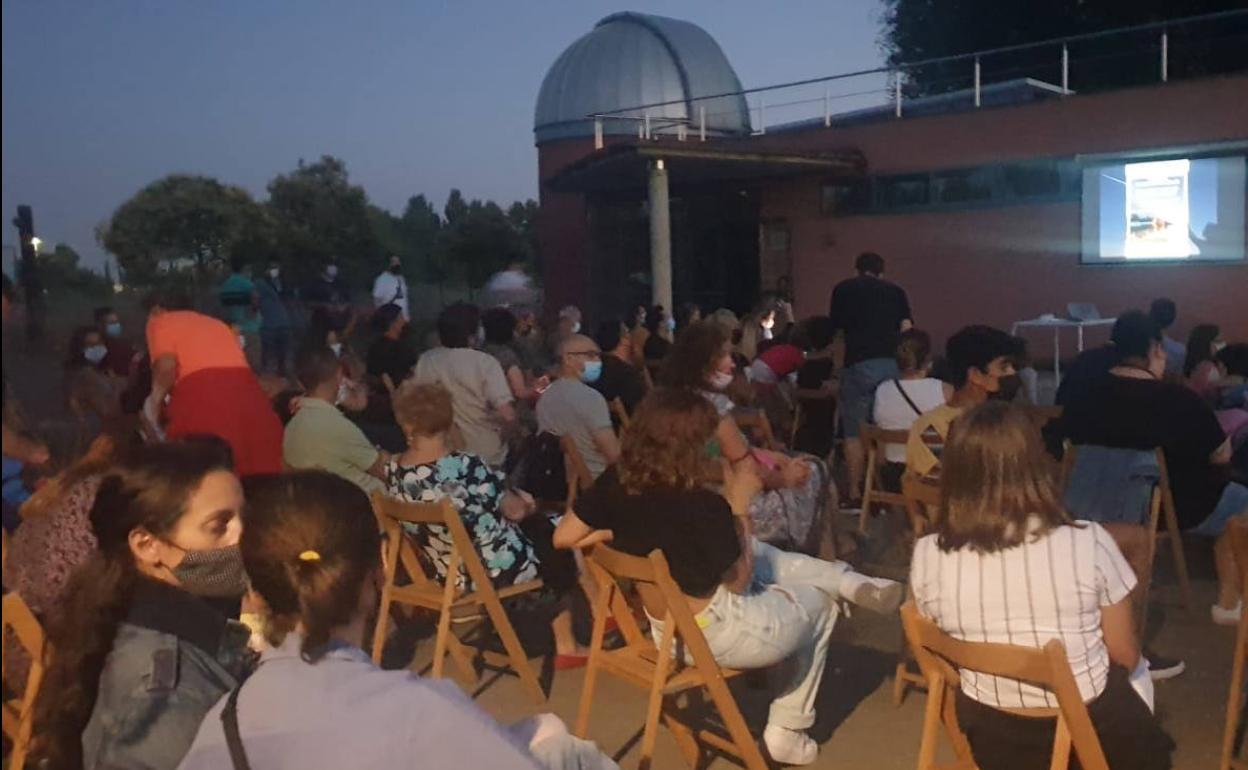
{"type": "Point", "coordinates": [631, 59]}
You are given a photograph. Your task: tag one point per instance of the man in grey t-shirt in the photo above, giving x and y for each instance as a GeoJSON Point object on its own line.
{"type": "Point", "coordinates": [569, 407]}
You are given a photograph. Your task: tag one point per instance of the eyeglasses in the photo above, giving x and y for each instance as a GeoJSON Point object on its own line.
{"type": "Point", "coordinates": [586, 353]}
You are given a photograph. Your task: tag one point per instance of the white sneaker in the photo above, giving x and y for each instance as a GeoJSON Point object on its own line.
{"type": "Point", "coordinates": [789, 747]}
{"type": "Point", "coordinates": [1225, 617]}
{"type": "Point", "coordinates": [876, 594]}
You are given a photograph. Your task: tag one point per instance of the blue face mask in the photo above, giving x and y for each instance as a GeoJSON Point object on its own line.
{"type": "Point", "coordinates": [113, 330]}
{"type": "Point", "coordinates": [591, 371]}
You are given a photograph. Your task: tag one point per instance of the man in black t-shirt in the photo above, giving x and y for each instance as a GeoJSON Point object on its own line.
{"type": "Point", "coordinates": [1131, 407]}
{"type": "Point", "coordinates": [620, 378]}
{"type": "Point", "coordinates": [871, 313]}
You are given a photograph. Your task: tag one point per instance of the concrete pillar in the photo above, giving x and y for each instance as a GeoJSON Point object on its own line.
{"type": "Point", "coordinates": [660, 238]}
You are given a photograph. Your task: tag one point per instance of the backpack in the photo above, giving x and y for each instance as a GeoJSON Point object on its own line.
{"type": "Point", "coordinates": [541, 469]}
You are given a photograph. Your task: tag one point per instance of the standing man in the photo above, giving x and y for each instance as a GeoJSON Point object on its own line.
{"type": "Point", "coordinates": [329, 303]}
{"type": "Point", "coordinates": [390, 288]}
{"type": "Point", "coordinates": [275, 329]}
{"type": "Point", "coordinates": [238, 297]}
{"type": "Point", "coordinates": [871, 314]}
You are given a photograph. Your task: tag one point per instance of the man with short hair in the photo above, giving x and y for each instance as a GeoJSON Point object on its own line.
{"type": "Point", "coordinates": [319, 435]}
{"type": "Point", "coordinates": [1163, 312]}
{"type": "Point", "coordinates": [275, 327]}
{"type": "Point", "coordinates": [871, 313]}
{"type": "Point", "coordinates": [570, 407]}
{"type": "Point", "coordinates": [328, 298]}
{"type": "Point", "coordinates": [1133, 408]}
{"type": "Point", "coordinates": [480, 395]}
{"type": "Point", "coordinates": [620, 379]}
{"type": "Point", "coordinates": [120, 353]}
{"type": "Point", "coordinates": [981, 360]}
{"type": "Point", "coordinates": [390, 287]}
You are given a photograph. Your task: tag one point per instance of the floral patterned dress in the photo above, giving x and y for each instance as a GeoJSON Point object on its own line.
{"type": "Point", "coordinates": [476, 490]}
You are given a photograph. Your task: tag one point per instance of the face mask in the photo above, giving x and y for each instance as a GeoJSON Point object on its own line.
{"type": "Point", "coordinates": [242, 342]}
{"type": "Point", "coordinates": [274, 273]}
{"type": "Point", "coordinates": [343, 392]}
{"type": "Point", "coordinates": [331, 272]}
{"type": "Point", "coordinates": [671, 324]}
{"type": "Point", "coordinates": [576, 327]}
{"type": "Point", "coordinates": [1216, 347]}
{"type": "Point", "coordinates": [591, 371]}
{"type": "Point", "coordinates": [720, 380]}
{"type": "Point", "coordinates": [1007, 388]}
{"type": "Point", "coordinates": [113, 329]}
{"type": "Point", "coordinates": [213, 572]}
{"type": "Point", "coordinates": [95, 353]}
{"type": "Point", "coordinates": [337, 348]}
{"type": "Point", "coordinates": [396, 270]}
{"type": "Point", "coordinates": [768, 323]}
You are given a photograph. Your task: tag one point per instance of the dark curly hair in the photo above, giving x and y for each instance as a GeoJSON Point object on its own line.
{"type": "Point", "coordinates": [665, 443]}
{"type": "Point", "coordinates": [693, 356]}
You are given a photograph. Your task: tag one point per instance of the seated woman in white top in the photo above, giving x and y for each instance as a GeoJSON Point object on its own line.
{"type": "Point", "coordinates": [1007, 565]}
{"type": "Point", "coordinates": [899, 402]}
{"type": "Point", "coordinates": [313, 557]}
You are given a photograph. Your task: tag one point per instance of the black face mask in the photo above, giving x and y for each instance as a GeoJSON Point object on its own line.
{"type": "Point", "coordinates": [1007, 388]}
{"type": "Point", "coordinates": [396, 269]}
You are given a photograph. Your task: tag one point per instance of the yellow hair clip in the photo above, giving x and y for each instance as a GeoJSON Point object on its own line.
{"type": "Point", "coordinates": [309, 556]}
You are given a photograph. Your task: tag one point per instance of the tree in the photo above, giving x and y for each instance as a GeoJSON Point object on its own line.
{"type": "Point", "coordinates": [420, 225]}
{"type": "Point", "coordinates": [916, 30]}
{"type": "Point", "coordinates": [479, 242]}
{"type": "Point", "coordinates": [320, 215]}
{"type": "Point", "coordinates": [523, 218]}
{"type": "Point", "coordinates": [61, 270]}
{"type": "Point", "coordinates": [456, 209]}
{"type": "Point", "coordinates": [182, 222]}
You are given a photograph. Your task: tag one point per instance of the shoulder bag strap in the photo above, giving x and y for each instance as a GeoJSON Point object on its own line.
{"type": "Point", "coordinates": [906, 396]}
{"type": "Point", "coordinates": [233, 740]}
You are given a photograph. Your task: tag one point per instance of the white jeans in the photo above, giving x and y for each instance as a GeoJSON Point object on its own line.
{"type": "Point", "coordinates": [786, 618]}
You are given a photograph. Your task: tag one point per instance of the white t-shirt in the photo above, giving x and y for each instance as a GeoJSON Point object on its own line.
{"type": "Point", "coordinates": [1051, 588]}
{"type": "Point", "coordinates": [892, 412]}
{"type": "Point", "coordinates": [478, 386]}
{"type": "Point", "coordinates": [390, 289]}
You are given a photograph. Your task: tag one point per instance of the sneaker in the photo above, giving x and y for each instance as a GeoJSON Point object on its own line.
{"type": "Point", "coordinates": [878, 595]}
{"type": "Point", "coordinates": [1224, 617]}
{"type": "Point", "coordinates": [789, 747]}
{"type": "Point", "coordinates": [1160, 667]}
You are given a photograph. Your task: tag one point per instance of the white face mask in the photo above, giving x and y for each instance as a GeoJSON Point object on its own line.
{"type": "Point", "coordinates": [242, 342]}
{"type": "Point", "coordinates": [95, 353]}
{"type": "Point", "coordinates": [337, 348]}
{"type": "Point", "coordinates": [720, 380]}
{"type": "Point", "coordinates": [274, 273]}
{"type": "Point", "coordinates": [331, 272]}
{"type": "Point", "coordinates": [576, 327]}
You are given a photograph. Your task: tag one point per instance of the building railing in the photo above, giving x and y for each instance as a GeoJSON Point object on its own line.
{"type": "Point", "coordinates": [1194, 46]}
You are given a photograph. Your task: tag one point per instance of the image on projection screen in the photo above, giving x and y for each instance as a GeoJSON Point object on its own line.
{"type": "Point", "coordinates": [1181, 209]}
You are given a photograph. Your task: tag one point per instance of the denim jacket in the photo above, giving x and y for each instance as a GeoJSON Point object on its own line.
{"type": "Point", "coordinates": [173, 657]}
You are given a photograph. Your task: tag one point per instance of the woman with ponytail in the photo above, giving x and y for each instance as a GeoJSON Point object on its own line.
{"type": "Point", "coordinates": [313, 556]}
{"type": "Point", "coordinates": [140, 646]}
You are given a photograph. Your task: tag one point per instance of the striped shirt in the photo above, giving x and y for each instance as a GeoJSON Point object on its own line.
{"type": "Point", "coordinates": [1050, 588]}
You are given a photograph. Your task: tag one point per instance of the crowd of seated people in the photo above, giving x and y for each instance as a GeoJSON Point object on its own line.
{"type": "Point", "coordinates": [136, 558]}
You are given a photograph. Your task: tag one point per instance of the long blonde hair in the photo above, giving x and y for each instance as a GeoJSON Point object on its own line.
{"type": "Point", "coordinates": [998, 486]}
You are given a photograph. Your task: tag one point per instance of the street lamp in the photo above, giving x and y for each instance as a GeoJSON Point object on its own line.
{"type": "Point", "coordinates": [35, 242]}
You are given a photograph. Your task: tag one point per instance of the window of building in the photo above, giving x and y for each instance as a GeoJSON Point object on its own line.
{"type": "Point", "coordinates": [962, 185]}
{"type": "Point", "coordinates": [904, 191]}
{"type": "Point", "coordinates": [844, 197]}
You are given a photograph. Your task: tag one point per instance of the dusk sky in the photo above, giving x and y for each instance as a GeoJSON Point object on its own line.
{"type": "Point", "coordinates": [100, 98]}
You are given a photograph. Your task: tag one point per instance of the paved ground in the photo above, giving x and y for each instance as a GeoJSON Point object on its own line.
{"type": "Point", "coordinates": [858, 726]}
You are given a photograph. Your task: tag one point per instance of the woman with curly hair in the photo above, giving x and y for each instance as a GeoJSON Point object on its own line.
{"type": "Point", "coordinates": [757, 606]}
{"type": "Point", "coordinates": [798, 498]}
{"type": "Point", "coordinates": [141, 646]}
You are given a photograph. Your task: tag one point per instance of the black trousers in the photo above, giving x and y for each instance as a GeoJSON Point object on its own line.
{"type": "Point", "coordinates": [556, 567]}
{"type": "Point", "coordinates": [1131, 736]}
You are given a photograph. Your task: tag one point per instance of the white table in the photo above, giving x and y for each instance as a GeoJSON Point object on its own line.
{"type": "Point", "coordinates": [1057, 324]}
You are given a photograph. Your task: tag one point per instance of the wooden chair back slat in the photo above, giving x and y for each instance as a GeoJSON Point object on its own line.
{"type": "Point", "coordinates": [22, 623]}
{"type": "Point", "coordinates": [1238, 534]}
{"type": "Point", "coordinates": [938, 654]}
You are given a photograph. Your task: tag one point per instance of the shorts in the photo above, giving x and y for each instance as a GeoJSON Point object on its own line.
{"type": "Point", "coordinates": [1234, 502]}
{"type": "Point", "coordinates": [858, 384]}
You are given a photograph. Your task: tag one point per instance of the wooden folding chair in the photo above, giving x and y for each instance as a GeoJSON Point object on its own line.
{"type": "Point", "coordinates": [18, 712]}
{"type": "Point", "coordinates": [874, 438]}
{"type": "Point", "coordinates": [921, 498]}
{"type": "Point", "coordinates": [1168, 513]}
{"type": "Point", "coordinates": [621, 414]}
{"type": "Point", "coordinates": [940, 656]}
{"type": "Point", "coordinates": [666, 677]}
{"type": "Point", "coordinates": [755, 425]}
{"type": "Point", "coordinates": [579, 477]}
{"type": "Point", "coordinates": [478, 592]}
{"type": "Point", "coordinates": [1235, 697]}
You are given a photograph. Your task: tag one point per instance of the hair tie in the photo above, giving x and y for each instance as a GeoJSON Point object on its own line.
{"type": "Point", "coordinates": [309, 556]}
